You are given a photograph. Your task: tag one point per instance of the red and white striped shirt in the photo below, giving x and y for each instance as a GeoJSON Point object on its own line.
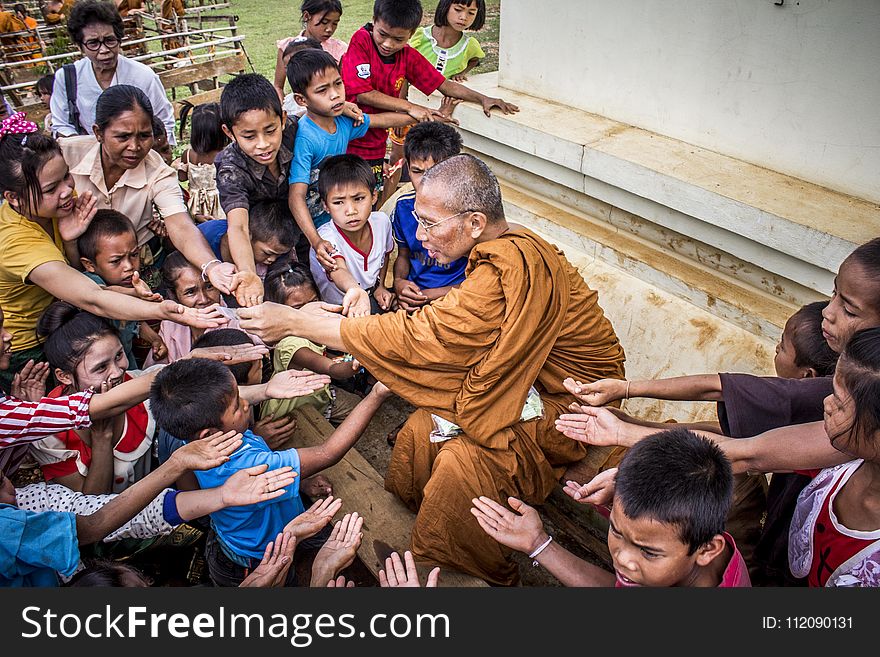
{"type": "Point", "coordinates": [23, 421]}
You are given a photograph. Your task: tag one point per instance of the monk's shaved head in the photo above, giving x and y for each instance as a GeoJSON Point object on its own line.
{"type": "Point", "coordinates": [466, 185]}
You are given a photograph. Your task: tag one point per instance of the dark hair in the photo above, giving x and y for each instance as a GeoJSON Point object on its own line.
{"type": "Point", "coordinates": [268, 220]}
{"type": "Point", "coordinates": [246, 92]}
{"type": "Point", "coordinates": [158, 128]}
{"type": "Point", "coordinates": [470, 186]}
{"type": "Point", "coordinates": [403, 14]}
{"type": "Point", "coordinates": [223, 338]}
{"type": "Point", "coordinates": [320, 6]}
{"type": "Point", "coordinates": [344, 170]}
{"type": "Point", "coordinates": [118, 99]}
{"type": "Point", "coordinates": [810, 347]}
{"type": "Point", "coordinates": [87, 12]}
{"type": "Point", "coordinates": [433, 139]}
{"type": "Point", "coordinates": [859, 372]}
{"type": "Point", "coordinates": [442, 11]}
{"type": "Point", "coordinates": [19, 7]}
{"type": "Point", "coordinates": [103, 572]}
{"type": "Point", "coordinates": [299, 43]}
{"type": "Point", "coordinates": [69, 333]}
{"type": "Point", "coordinates": [22, 157]}
{"type": "Point", "coordinates": [107, 223]}
{"type": "Point", "coordinates": [280, 280]}
{"type": "Point", "coordinates": [868, 257]}
{"type": "Point", "coordinates": [305, 65]}
{"type": "Point", "coordinates": [206, 134]}
{"type": "Point", "coordinates": [46, 84]}
{"type": "Point", "coordinates": [677, 478]}
{"type": "Point", "coordinates": [173, 264]}
{"type": "Point", "coordinates": [191, 395]}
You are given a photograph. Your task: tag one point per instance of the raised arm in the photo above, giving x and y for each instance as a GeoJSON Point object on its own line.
{"type": "Point", "coordinates": [796, 447]}
{"type": "Point", "coordinates": [699, 387]}
{"type": "Point", "coordinates": [185, 235]}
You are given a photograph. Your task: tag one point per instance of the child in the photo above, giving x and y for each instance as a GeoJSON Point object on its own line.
{"type": "Point", "coordinates": [84, 352]}
{"type": "Point", "coordinates": [254, 168]}
{"type": "Point", "coordinates": [323, 132]}
{"type": "Point", "coordinates": [419, 278]}
{"type": "Point", "coordinates": [673, 539]}
{"type": "Point", "coordinates": [110, 255]}
{"type": "Point", "coordinates": [273, 235]}
{"type": "Point", "coordinates": [288, 103]}
{"type": "Point", "coordinates": [196, 165]}
{"type": "Point", "coordinates": [380, 60]}
{"type": "Point", "coordinates": [189, 400]}
{"type": "Point", "coordinates": [320, 18]}
{"type": "Point", "coordinates": [160, 141]}
{"type": "Point", "coordinates": [294, 286]}
{"type": "Point", "coordinates": [185, 285]}
{"type": "Point", "coordinates": [44, 89]}
{"type": "Point", "coordinates": [362, 239]}
{"type": "Point", "coordinates": [444, 43]}
{"type": "Point", "coordinates": [835, 532]}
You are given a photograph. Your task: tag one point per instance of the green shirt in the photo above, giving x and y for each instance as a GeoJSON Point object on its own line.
{"type": "Point", "coordinates": [449, 61]}
{"type": "Point", "coordinates": [284, 351]}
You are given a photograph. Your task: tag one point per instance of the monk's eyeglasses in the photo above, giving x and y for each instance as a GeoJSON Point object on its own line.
{"type": "Point", "coordinates": [427, 227]}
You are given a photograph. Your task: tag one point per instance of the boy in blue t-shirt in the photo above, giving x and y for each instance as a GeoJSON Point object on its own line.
{"type": "Point", "coordinates": [418, 278]}
{"type": "Point", "coordinates": [194, 398]}
{"type": "Point", "coordinates": [323, 132]}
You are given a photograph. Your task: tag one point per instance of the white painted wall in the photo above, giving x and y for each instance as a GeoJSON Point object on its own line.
{"type": "Point", "coordinates": [794, 88]}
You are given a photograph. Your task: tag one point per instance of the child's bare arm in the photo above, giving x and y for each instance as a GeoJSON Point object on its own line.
{"type": "Point", "coordinates": [307, 359]}
{"type": "Point", "coordinates": [239, 236]}
{"type": "Point", "coordinates": [391, 104]}
{"type": "Point", "coordinates": [355, 301]}
{"type": "Point", "coordinates": [315, 459]}
{"type": "Point", "coordinates": [296, 200]}
{"type": "Point", "coordinates": [386, 120]}
{"type": "Point", "coordinates": [522, 530]}
{"type": "Point", "coordinates": [456, 90]}
{"type": "Point", "coordinates": [472, 64]}
{"type": "Point", "coordinates": [280, 75]}
{"type": "Point", "coordinates": [796, 447]}
{"type": "Point", "coordinates": [384, 297]}
{"type": "Point", "coordinates": [699, 387]}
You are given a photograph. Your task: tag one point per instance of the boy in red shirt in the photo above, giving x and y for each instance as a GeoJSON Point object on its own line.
{"type": "Point", "coordinates": [378, 63]}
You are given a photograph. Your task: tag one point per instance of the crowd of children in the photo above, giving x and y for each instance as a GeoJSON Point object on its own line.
{"type": "Point", "coordinates": [128, 379]}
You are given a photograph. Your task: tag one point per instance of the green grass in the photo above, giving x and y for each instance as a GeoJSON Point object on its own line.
{"type": "Point", "coordinates": [263, 23]}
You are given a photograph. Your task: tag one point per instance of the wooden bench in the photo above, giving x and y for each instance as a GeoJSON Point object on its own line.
{"type": "Point", "coordinates": [362, 489]}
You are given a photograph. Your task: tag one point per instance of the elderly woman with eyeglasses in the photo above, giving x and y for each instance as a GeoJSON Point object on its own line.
{"type": "Point", "coordinates": [96, 28]}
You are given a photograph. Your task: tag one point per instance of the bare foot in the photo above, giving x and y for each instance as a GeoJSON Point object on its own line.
{"type": "Point", "coordinates": [316, 486]}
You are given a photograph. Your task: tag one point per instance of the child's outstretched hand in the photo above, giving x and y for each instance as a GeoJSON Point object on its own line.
{"type": "Point", "coordinates": [490, 103]}
{"type": "Point", "coordinates": [448, 105]}
{"type": "Point", "coordinates": [598, 491]}
{"type": "Point", "coordinates": [352, 111]}
{"type": "Point", "coordinates": [276, 562]}
{"type": "Point", "coordinates": [210, 317]}
{"type": "Point", "coordinates": [404, 574]}
{"type": "Point", "coordinates": [30, 383]}
{"type": "Point", "coordinates": [248, 288]}
{"type": "Point", "coordinates": [598, 393]}
{"type": "Point", "coordinates": [520, 529]}
{"type": "Point", "coordinates": [409, 296]}
{"type": "Point", "coordinates": [276, 431]}
{"type": "Point", "coordinates": [356, 303]}
{"type": "Point", "coordinates": [384, 297]}
{"type": "Point", "coordinates": [594, 426]}
{"type": "Point", "coordinates": [142, 290]}
{"type": "Point", "coordinates": [160, 350]}
{"type": "Point", "coordinates": [314, 519]}
{"type": "Point", "coordinates": [231, 354]}
{"type": "Point", "coordinates": [339, 551]}
{"type": "Point", "coordinates": [254, 485]}
{"type": "Point", "coordinates": [209, 452]}
{"type": "Point", "coordinates": [340, 583]}
{"type": "Point", "coordinates": [295, 383]}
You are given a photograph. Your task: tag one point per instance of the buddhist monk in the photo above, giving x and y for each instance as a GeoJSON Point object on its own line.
{"type": "Point", "coordinates": [522, 317]}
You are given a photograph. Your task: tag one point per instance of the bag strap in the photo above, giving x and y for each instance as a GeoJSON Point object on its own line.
{"type": "Point", "coordinates": [72, 109]}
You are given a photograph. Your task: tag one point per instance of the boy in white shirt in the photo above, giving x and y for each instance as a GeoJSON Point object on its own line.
{"type": "Point", "coordinates": [361, 238]}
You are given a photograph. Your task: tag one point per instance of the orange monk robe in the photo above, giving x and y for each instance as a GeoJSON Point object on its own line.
{"type": "Point", "coordinates": [522, 316]}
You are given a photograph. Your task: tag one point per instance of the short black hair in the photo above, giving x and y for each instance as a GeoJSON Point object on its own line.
{"type": "Point", "coordinates": [87, 12]}
{"type": "Point", "coordinates": [107, 223]}
{"type": "Point", "coordinates": [268, 220]}
{"type": "Point", "coordinates": [246, 92]}
{"type": "Point", "coordinates": [282, 278]}
{"type": "Point", "coordinates": [191, 395]}
{"type": "Point", "coordinates": [678, 478]}
{"type": "Point", "coordinates": [442, 12]}
{"type": "Point", "coordinates": [344, 170]}
{"type": "Point", "coordinates": [404, 14]}
{"type": "Point", "coordinates": [298, 43]}
{"type": "Point", "coordinates": [810, 347]}
{"type": "Point", "coordinates": [46, 84]}
{"type": "Point", "coordinates": [226, 337]}
{"type": "Point", "coordinates": [159, 128]}
{"type": "Point", "coordinates": [433, 139]}
{"type": "Point", "coordinates": [305, 65]}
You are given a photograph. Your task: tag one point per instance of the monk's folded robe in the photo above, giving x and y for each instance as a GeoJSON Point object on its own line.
{"type": "Point", "coordinates": [523, 316]}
